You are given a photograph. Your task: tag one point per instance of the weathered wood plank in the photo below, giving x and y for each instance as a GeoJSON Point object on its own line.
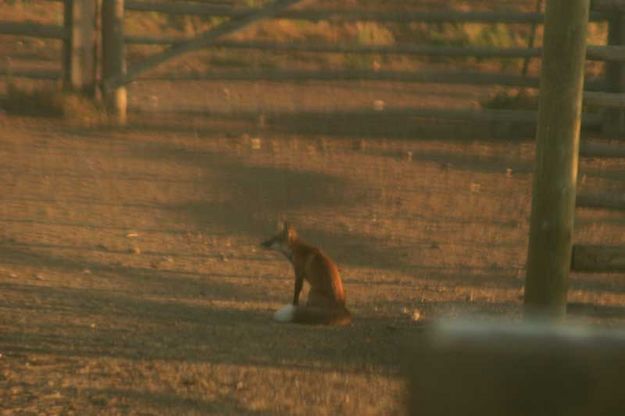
{"type": "Point", "coordinates": [604, 150]}
{"type": "Point", "coordinates": [35, 30]}
{"type": "Point", "coordinates": [596, 53]}
{"type": "Point", "coordinates": [348, 15]}
{"type": "Point", "coordinates": [604, 99]}
{"type": "Point", "coordinates": [611, 201]}
{"type": "Point", "coordinates": [613, 53]}
{"type": "Point", "coordinates": [79, 52]}
{"type": "Point", "coordinates": [600, 259]}
{"type": "Point", "coordinates": [475, 78]}
{"type": "Point", "coordinates": [114, 58]}
{"type": "Point", "coordinates": [31, 74]}
{"type": "Point", "coordinates": [424, 50]}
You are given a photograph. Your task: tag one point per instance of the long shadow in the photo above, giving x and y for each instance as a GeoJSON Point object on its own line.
{"type": "Point", "coordinates": [261, 195]}
{"type": "Point", "coordinates": [258, 196]}
{"type": "Point", "coordinates": [357, 124]}
{"type": "Point", "coordinates": [171, 316]}
{"type": "Point", "coordinates": [28, 247]}
{"type": "Point", "coordinates": [147, 280]}
{"type": "Point", "coordinates": [472, 163]}
{"type": "Point", "coordinates": [171, 403]}
{"type": "Point", "coordinates": [91, 225]}
{"type": "Point", "coordinates": [201, 283]}
{"type": "Point", "coordinates": [136, 328]}
{"type": "Point", "coordinates": [396, 124]}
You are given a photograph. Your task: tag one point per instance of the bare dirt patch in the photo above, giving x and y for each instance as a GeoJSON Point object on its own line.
{"type": "Point", "coordinates": [132, 281]}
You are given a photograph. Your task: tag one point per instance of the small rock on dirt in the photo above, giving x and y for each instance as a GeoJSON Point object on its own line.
{"type": "Point", "coordinates": [379, 105]}
{"type": "Point", "coordinates": [135, 250]}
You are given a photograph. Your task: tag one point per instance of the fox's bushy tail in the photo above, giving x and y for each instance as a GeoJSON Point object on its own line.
{"type": "Point", "coordinates": [312, 315]}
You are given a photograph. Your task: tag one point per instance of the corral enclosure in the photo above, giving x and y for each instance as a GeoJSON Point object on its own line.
{"type": "Point", "coordinates": [131, 278]}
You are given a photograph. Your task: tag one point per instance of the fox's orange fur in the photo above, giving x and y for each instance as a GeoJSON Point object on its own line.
{"type": "Point", "coordinates": [326, 298]}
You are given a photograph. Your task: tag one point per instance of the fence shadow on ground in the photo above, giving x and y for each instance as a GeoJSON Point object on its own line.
{"type": "Point", "coordinates": [150, 314]}
{"type": "Point", "coordinates": [259, 196]}
{"type": "Point", "coordinates": [353, 124]}
{"type": "Point", "coordinates": [169, 402]}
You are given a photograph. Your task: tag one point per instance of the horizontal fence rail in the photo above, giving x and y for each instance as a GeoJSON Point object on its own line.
{"type": "Point", "coordinates": [601, 201]}
{"type": "Point", "coordinates": [439, 51]}
{"type": "Point", "coordinates": [605, 99]}
{"type": "Point", "coordinates": [596, 53]}
{"type": "Point", "coordinates": [474, 78]}
{"type": "Point", "coordinates": [603, 150]}
{"type": "Point", "coordinates": [348, 15]}
{"type": "Point", "coordinates": [31, 74]}
{"type": "Point", "coordinates": [434, 77]}
{"type": "Point", "coordinates": [598, 259]}
{"type": "Point", "coordinates": [32, 30]}
{"type": "Point", "coordinates": [610, 6]}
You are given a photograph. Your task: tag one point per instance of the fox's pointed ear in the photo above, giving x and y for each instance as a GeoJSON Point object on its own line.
{"type": "Point", "coordinates": [289, 230]}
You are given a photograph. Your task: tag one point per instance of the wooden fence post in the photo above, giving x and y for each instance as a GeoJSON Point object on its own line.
{"type": "Point", "coordinates": [557, 152]}
{"type": "Point", "coordinates": [113, 57]}
{"type": "Point", "coordinates": [79, 46]}
{"type": "Point", "coordinates": [614, 118]}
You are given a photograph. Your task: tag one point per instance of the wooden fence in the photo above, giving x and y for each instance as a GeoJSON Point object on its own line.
{"type": "Point", "coordinates": [78, 35]}
{"type": "Point", "coordinates": [80, 40]}
{"type": "Point", "coordinates": [85, 18]}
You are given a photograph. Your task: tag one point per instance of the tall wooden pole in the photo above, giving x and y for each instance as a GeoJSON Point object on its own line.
{"type": "Point", "coordinates": [557, 150]}
{"type": "Point", "coordinates": [78, 49]}
{"type": "Point", "coordinates": [114, 58]}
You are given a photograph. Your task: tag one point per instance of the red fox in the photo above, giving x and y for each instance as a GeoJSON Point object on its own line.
{"type": "Point", "coordinates": [326, 298]}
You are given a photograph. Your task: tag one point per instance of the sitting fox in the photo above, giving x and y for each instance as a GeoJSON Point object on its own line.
{"type": "Point", "coordinates": [326, 298]}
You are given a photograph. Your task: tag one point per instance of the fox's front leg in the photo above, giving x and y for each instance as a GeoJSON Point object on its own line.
{"type": "Point", "coordinates": [299, 283]}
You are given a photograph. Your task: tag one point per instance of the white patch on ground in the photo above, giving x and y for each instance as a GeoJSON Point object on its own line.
{"type": "Point", "coordinates": [284, 314]}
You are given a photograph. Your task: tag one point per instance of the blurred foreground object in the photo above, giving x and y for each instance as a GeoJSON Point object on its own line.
{"type": "Point", "coordinates": [517, 368]}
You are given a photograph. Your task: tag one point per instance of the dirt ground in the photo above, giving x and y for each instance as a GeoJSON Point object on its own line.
{"type": "Point", "coordinates": [131, 281]}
